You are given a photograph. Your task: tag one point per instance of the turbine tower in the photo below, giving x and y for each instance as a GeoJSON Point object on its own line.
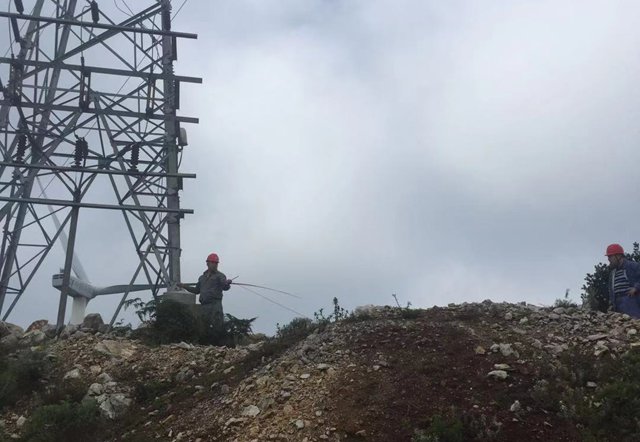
{"type": "Point", "coordinates": [88, 107]}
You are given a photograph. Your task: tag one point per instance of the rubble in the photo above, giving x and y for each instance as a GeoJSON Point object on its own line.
{"type": "Point", "coordinates": [474, 351]}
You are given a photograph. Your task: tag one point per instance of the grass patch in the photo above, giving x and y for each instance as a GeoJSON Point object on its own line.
{"type": "Point", "coordinates": [20, 375]}
{"type": "Point", "coordinates": [67, 421]}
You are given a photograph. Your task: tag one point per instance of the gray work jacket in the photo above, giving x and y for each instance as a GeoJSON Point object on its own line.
{"type": "Point", "coordinates": [210, 286]}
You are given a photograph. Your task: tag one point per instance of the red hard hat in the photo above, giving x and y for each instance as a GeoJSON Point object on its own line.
{"type": "Point", "coordinates": [614, 249]}
{"type": "Point", "coordinates": [213, 258]}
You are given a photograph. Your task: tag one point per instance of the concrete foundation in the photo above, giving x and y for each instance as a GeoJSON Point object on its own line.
{"type": "Point", "coordinates": [181, 296]}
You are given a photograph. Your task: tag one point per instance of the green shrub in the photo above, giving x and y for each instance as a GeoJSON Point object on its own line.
{"type": "Point", "coordinates": [338, 314]}
{"type": "Point", "coordinates": [147, 392]}
{"type": "Point", "coordinates": [170, 321]}
{"type": "Point", "coordinates": [67, 421]}
{"type": "Point", "coordinates": [617, 416]}
{"type": "Point", "coordinates": [20, 375]}
{"type": "Point", "coordinates": [441, 429]}
{"type": "Point", "coordinates": [296, 330]}
{"type": "Point", "coordinates": [566, 302]}
{"type": "Point", "coordinates": [70, 390]}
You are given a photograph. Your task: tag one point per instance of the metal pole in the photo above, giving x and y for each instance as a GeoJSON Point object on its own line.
{"type": "Point", "coordinates": [66, 276]}
{"type": "Point", "coordinates": [173, 184]}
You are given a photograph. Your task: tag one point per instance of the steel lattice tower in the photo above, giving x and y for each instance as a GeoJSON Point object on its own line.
{"type": "Point", "coordinates": [88, 102]}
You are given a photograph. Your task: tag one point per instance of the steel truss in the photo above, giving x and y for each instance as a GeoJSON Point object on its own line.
{"type": "Point", "coordinates": [88, 102]}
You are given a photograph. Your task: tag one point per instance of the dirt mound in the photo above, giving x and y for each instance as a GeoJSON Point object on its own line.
{"type": "Point", "coordinates": [483, 371]}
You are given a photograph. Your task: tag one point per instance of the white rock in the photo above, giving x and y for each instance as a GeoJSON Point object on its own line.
{"type": "Point", "coordinates": [21, 421]}
{"type": "Point", "coordinates": [498, 374]}
{"type": "Point", "coordinates": [515, 407]}
{"type": "Point", "coordinates": [118, 349]}
{"type": "Point", "coordinates": [251, 411]}
{"type": "Point", "coordinates": [597, 337]}
{"type": "Point", "coordinates": [114, 405]}
{"type": "Point", "coordinates": [95, 389]}
{"type": "Point", "coordinates": [34, 337]}
{"type": "Point", "coordinates": [234, 421]}
{"type": "Point", "coordinates": [72, 374]}
{"type": "Point", "coordinates": [299, 423]}
{"type": "Point", "coordinates": [104, 378]}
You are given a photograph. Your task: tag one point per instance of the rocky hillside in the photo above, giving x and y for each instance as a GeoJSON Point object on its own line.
{"type": "Point", "coordinates": [487, 371]}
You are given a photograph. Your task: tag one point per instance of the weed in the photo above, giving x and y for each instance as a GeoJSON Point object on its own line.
{"type": "Point", "coordinates": [407, 312]}
{"type": "Point", "coordinates": [296, 330]}
{"type": "Point", "coordinates": [69, 390]}
{"type": "Point", "coordinates": [67, 421]}
{"type": "Point", "coordinates": [566, 302]}
{"type": "Point", "coordinates": [150, 391]}
{"type": "Point", "coordinates": [441, 429]}
{"type": "Point", "coordinates": [20, 375]}
{"type": "Point", "coordinates": [338, 314]}
{"type": "Point", "coordinates": [170, 321]}
{"type": "Point", "coordinates": [616, 416]}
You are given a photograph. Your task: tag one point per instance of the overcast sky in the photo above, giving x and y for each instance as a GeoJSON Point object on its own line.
{"type": "Point", "coordinates": [443, 151]}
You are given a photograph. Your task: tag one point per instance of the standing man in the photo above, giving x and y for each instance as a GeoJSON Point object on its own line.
{"type": "Point", "coordinates": [624, 282]}
{"type": "Point", "coordinates": [210, 286]}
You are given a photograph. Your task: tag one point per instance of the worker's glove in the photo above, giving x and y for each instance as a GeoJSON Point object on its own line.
{"type": "Point", "coordinates": [229, 281]}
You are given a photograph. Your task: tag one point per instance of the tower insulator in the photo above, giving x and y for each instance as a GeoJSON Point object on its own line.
{"type": "Point", "coordinates": [85, 87]}
{"type": "Point", "coordinates": [14, 88]}
{"type": "Point", "coordinates": [21, 149]}
{"type": "Point", "coordinates": [81, 152]}
{"type": "Point", "coordinates": [95, 11]}
{"type": "Point", "coordinates": [166, 18]}
{"type": "Point", "coordinates": [151, 96]}
{"type": "Point", "coordinates": [135, 156]}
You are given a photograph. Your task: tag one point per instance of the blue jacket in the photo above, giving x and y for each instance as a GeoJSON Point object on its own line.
{"type": "Point", "coordinates": [627, 304]}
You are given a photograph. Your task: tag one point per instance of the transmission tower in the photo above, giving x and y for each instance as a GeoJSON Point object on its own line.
{"type": "Point", "coordinates": [88, 111]}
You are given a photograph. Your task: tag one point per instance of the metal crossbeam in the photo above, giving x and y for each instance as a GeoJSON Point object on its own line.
{"type": "Point", "coordinates": [61, 21]}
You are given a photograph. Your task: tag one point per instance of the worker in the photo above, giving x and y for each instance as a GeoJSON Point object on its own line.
{"type": "Point", "coordinates": [210, 286]}
{"type": "Point", "coordinates": [624, 282]}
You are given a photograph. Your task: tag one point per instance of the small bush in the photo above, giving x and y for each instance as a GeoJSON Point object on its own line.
{"type": "Point", "coordinates": [410, 313]}
{"type": "Point", "coordinates": [296, 330]}
{"type": "Point", "coordinates": [441, 429]}
{"type": "Point", "coordinates": [566, 302]}
{"type": "Point", "coordinates": [20, 375]}
{"type": "Point", "coordinates": [617, 416]}
{"type": "Point", "coordinates": [149, 391]}
{"type": "Point", "coordinates": [170, 321]}
{"type": "Point", "coordinates": [69, 390]}
{"type": "Point", "coordinates": [67, 421]}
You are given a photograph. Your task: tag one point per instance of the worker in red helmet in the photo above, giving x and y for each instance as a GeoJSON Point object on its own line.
{"type": "Point", "coordinates": [624, 282]}
{"type": "Point", "coordinates": [210, 286]}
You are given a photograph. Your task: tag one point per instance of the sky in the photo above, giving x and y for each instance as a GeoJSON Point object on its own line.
{"type": "Point", "coordinates": [440, 151]}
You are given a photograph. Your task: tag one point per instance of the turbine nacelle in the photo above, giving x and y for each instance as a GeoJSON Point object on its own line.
{"type": "Point", "coordinates": [83, 291]}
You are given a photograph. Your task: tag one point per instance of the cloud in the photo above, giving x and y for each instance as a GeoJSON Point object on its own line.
{"type": "Point", "coordinates": [440, 151]}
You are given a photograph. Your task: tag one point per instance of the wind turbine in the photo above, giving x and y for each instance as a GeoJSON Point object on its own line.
{"type": "Point", "coordinates": [80, 289]}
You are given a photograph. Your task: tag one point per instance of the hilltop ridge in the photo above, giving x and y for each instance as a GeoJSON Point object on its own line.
{"type": "Point", "coordinates": [479, 371]}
